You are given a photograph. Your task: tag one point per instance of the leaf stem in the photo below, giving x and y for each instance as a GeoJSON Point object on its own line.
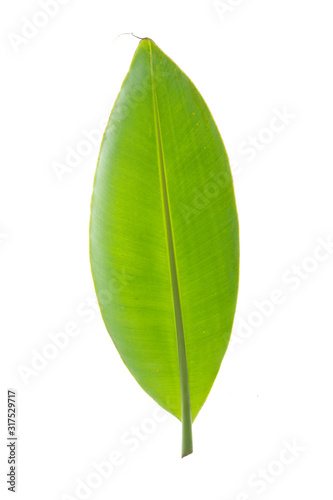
{"type": "Point", "coordinates": [187, 445]}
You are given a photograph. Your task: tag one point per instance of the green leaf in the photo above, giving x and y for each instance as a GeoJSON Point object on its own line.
{"type": "Point", "coordinates": [164, 236]}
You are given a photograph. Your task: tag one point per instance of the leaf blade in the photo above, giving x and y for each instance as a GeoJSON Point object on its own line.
{"type": "Point", "coordinates": [166, 121]}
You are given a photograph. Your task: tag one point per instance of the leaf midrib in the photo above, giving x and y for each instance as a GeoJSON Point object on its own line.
{"type": "Point", "coordinates": [183, 372]}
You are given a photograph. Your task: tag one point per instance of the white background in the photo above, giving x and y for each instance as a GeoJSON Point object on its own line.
{"type": "Point", "coordinates": [250, 59]}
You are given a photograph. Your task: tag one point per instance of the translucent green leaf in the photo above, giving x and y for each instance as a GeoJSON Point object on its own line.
{"type": "Point", "coordinates": [164, 236]}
